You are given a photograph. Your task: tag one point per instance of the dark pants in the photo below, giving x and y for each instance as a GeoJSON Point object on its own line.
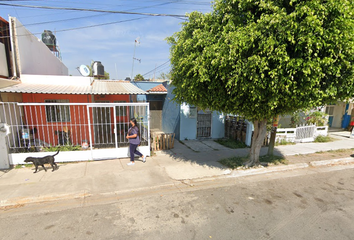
{"type": "Point", "coordinates": [132, 148]}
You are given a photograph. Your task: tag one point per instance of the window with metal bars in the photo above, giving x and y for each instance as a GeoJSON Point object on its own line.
{"type": "Point", "coordinates": [121, 110]}
{"type": "Point", "coordinates": [57, 113]}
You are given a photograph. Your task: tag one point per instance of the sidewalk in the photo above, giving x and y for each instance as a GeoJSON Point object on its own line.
{"type": "Point", "coordinates": [189, 160]}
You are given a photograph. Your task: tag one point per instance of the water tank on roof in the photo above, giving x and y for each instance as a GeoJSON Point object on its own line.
{"type": "Point", "coordinates": [97, 69]}
{"type": "Point", "coordinates": [49, 39]}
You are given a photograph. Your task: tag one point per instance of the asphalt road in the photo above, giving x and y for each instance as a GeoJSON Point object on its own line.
{"type": "Point", "coordinates": [312, 203]}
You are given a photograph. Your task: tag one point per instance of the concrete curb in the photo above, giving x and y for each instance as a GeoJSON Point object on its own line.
{"type": "Point", "coordinates": [262, 170]}
{"type": "Point", "coordinates": [44, 198]}
{"type": "Point", "coordinates": [227, 174]}
{"type": "Point", "coordinates": [340, 161]}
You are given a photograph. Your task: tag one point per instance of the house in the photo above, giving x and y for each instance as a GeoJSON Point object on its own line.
{"type": "Point", "coordinates": [73, 111]}
{"type": "Point", "coordinates": [156, 97]}
{"type": "Point", "coordinates": [340, 114]}
{"type": "Point", "coordinates": [189, 122]}
{"type": "Point", "coordinates": [45, 107]}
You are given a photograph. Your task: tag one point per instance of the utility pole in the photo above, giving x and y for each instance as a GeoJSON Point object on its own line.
{"type": "Point", "coordinates": [136, 41]}
{"type": "Point", "coordinates": [154, 71]}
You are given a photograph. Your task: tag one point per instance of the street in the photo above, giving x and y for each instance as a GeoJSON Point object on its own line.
{"type": "Point", "coordinates": [310, 203]}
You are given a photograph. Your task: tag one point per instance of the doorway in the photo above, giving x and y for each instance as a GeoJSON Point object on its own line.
{"type": "Point", "coordinates": [203, 124]}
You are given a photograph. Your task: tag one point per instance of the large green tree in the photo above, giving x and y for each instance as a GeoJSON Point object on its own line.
{"type": "Point", "coordinates": [264, 58]}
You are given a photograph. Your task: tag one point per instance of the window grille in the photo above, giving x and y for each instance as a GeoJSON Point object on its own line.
{"type": "Point", "coordinates": [55, 113]}
{"type": "Point", "coordinates": [121, 110]}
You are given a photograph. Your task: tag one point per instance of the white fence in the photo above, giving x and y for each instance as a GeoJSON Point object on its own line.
{"type": "Point", "coordinates": [301, 133]}
{"type": "Point", "coordinates": [94, 130]}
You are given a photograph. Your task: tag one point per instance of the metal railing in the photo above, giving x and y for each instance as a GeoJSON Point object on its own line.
{"type": "Point", "coordinates": [35, 126]}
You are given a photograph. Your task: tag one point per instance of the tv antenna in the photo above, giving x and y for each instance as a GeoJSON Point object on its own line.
{"type": "Point", "coordinates": [137, 41]}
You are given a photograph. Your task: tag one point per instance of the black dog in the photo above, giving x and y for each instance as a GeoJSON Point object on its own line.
{"type": "Point", "coordinates": [41, 161]}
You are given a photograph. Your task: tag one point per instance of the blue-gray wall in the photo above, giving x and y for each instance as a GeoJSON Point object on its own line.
{"type": "Point", "coordinates": [146, 86]}
{"type": "Point", "coordinates": [176, 118]}
{"type": "Point", "coordinates": [170, 114]}
{"type": "Point", "coordinates": [217, 125]}
{"type": "Point", "coordinates": [188, 125]}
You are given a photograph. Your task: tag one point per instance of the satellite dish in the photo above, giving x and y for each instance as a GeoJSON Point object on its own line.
{"type": "Point", "coordinates": [84, 70]}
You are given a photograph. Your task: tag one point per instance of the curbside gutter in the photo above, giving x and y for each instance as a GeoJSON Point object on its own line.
{"type": "Point", "coordinates": [44, 198]}
{"type": "Point", "coordinates": [341, 161]}
{"type": "Point", "coordinates": [262, 170]}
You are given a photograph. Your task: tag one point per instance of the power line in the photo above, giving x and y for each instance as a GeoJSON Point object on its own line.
{"type": "Point", "coordinates": [94, 10]}
{"type": "Point", "coordinates": [70, 19]}
{"type": "Point", "coordinates": [150, 72]}
{"type": "Point", "coordinates": [90, 16]}
{"type": "Point", "coordinates": [156, 68]}
{"type": "Point", "coordinates": [159, 71]}
{"type": "Point", "coordinates": [207, 3]}
{"type": "Point", "coordinates": [64, 20]}
{"type": "Point", "coordinates": [90, 26]}
{"type": "Point", "coordinates": [167, 67]}
{"type": "Point", "coordinates": [97, 25]}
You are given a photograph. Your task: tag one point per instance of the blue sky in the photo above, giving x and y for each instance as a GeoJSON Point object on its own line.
{"type": "Point", "coordinates": [112, 44]}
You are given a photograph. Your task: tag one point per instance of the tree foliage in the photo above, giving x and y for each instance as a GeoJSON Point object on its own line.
{"type": "Point", "coordinates": [165, 76]}
{"type": "Point", "coordinates": [106, 74]}
{"type": "Point", "coordinates": [138, 77]}
{"type": "Point", "coordinates": [263, 58]}
{"type": "Point", "coordinates": [317, 117]}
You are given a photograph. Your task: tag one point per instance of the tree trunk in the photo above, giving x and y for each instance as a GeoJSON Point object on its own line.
{"type": "Point", "coordinates": [260, 130]}
{"type": "Point", "coordinates": [272, 141]}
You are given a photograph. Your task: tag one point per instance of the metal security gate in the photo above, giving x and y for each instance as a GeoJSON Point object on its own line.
{"type": "Point", "coordinates": [203, 124]}
{"type": "Point", "coordinates": [110, 123]}
{"type": "Point", "coordinates": [84, 131]}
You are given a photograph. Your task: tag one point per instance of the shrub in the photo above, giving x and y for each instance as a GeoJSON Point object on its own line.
{"type": "Point", "coordinates": [317, 117]}
{"type": "Point", "coordinates": [284, 142]}
{"type": "Point", "coordinates": [235, 162]}
{"type": "Point", "coordinates": [295, 119]}
{"type": "Point", "coordinates": [63, 148]}
{"type": "Point", "coordinates": [321, 138]}
{"type": "Point", "coordinates": [231, 143]}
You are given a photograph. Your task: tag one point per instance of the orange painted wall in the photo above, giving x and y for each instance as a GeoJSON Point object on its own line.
{"type": "Point", "coordinates": [78, 124]}
{"type": "Point", "coordinates": [112, 99]}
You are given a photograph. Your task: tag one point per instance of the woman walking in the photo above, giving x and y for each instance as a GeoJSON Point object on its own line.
{"type": "Point", "coordinates": [134, 140]}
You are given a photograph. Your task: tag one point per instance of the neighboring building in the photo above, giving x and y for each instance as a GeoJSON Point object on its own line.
{"type": "Point", "coordinates": [156, 97]}
{"type": "Point", "coordinates": [72, 90]}
{"type": "Point", "coordinates": [340, 114]}
{"type": "Point", "coordinates": [190, 122]}
{"type": "Point", "coordinates": [23, 53]}
{"type": "Point", "coordinates": [32, 56]}
{"type": "Point", "coordinates": [5, 49]}
{"type": "Point", "coordinates": [187, 122]}
{"type": "Point", "coordinates": [46, 107]}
